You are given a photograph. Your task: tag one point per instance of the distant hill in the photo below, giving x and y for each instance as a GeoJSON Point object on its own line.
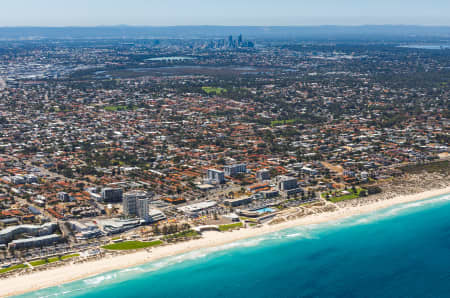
{"type": "Point", "coordinates": [387, 32]}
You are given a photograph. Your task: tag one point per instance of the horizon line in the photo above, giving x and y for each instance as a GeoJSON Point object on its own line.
{"type": "Point", "coordinates": [218, 25]}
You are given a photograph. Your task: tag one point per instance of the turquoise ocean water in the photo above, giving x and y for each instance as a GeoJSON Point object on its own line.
{"type": "Point", "coordinates": [402, 251]}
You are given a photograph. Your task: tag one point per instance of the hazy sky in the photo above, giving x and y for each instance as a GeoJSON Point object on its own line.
{"type": "Point", "coordinates": [222, 12]}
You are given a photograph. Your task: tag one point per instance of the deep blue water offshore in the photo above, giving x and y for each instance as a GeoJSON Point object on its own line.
{"type": "Point", "coordinates": [402, 251]}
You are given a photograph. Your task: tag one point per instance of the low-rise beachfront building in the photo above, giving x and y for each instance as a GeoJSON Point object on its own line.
{"type": "Point", "coordinates": [238, 201]}
{"type": "Point", "coordinates": [117, 225]}
{"type": "Point", "coordinates": [270, 193]}
{"type": "Point", "coordinates": [8, 234]}
{"type": "Point", "coordinates": [285, 183]}
{"type": "Point", "coordinates": [155, 215]}
{"type": "Point", "coordinates": [198, 207]}
{"type": "Point", "coordinates": [35, 241]}
{"type": "Point", "coordinates": [85, 230]}
{"type": "Point", "coordinates": [288, 186]}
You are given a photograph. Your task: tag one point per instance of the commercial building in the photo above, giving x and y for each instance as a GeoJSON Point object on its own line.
{"type": "Point", "coordinates": [190, 209]}
{"type": "Point", "coordinates": [288, 185]}
{"type": "Point", "coordinates": [238, 201]}
{"type": "Point", "coordinates": [8, 234]}
{"type": "Point", "coordinates": [85, 230]}
{"type": "Point", "coordinates": [270, 194]}
{"type": "Point", "coordinates": [155, 215]}
{"type": "Point", "coordinates": [142, 209]}
{"type": "Point", "coordinates": [31, 179]}
{"type": "Point", "coordinates": [112, 195]}
{"type": "Point", "coordinates": [233, 170]}
{"type": "Point", "coordinates": [18, 180]}
{"type": "Point", "coordinates": [116, 225]}
{"type": "Point", "coordinates": [216, 176]}
{"type": "Point", "coordinates": [263, 175]}
{"type": "Point", "coordinates": [35, 241]}
{"type": "Point", "coordinates": [63, 196]}
{"type": "Point", "coordinates": [135, 204]}
{"type": "Point", "coordinates": [309, 171]}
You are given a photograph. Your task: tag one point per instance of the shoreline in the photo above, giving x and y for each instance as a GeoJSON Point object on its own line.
{"type": "Point", "coordinates": [72, 272]}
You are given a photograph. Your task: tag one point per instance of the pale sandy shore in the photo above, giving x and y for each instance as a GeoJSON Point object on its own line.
{"type": "Point", "coordinates": [64, 274]}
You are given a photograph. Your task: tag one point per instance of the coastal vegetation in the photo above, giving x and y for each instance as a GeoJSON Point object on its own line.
{"type": "Point", "coordinates": [183, 234]}
{"type": "Point", "coordinates": [346, 194]}
{"type": "Point", "coordinates": [128, 245]}
{"type": "Point", "coordinates": [436, 166]}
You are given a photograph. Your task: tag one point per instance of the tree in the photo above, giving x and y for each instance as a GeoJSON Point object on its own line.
{"type": "Point", "coordinates": [67, 172]}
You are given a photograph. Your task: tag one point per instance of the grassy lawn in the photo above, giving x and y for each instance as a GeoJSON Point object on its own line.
{"type": "Point", "coordinates": [216, 90]}
{"type": "Point", "coordinates": [224, 228]}
{"type": "Point", "coordinates": [248, 219]}
{"type": "Point", "coordinates": [127, 245]}
{"type": "Point", "coordinates": [282, 122]}
{"type": "Point", "coordinates": [352, 195]}
{"type": "Point", "coordinates": [40, 262]}
{"type": "Point", "coordinates": [52, 260]}
{"type": "Point", "coordinates": [118, 108]}
{"type": "Point", "coordinates": [15, 267]}
{"type": "Point", "coordinates": [69, 256]}
{"type": "Point", "coordinates": [188, 233]}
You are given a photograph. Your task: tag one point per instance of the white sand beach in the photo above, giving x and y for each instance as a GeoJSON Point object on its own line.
{"type": "Point", "coordinates": [64, 274]}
